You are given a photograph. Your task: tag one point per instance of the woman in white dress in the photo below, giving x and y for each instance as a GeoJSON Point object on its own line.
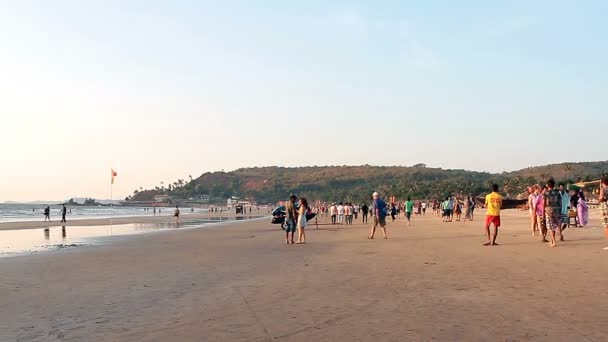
{"type": "Point", "coordinates": [302, 220]}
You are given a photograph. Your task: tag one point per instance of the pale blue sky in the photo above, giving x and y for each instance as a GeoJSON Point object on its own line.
{"type": "Point", "coordinates": [162, 89]}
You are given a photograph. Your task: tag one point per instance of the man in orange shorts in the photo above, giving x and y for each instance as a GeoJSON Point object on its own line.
{"type": "Point", "coordinates": [493, 203]}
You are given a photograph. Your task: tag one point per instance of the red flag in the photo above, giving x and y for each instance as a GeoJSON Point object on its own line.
{"type": "Point", "coordinates": [113, 174]}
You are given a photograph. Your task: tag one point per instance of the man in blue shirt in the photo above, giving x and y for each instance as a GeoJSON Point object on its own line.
{"type": "Point", "coordinates": [379, 210]}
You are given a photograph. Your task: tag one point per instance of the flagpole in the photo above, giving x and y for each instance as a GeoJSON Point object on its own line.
{"type": "Point", "coordinates": [111, 204]}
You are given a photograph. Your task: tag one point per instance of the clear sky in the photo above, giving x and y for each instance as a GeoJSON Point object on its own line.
{"type": "Point", "coordinates": [159, 90]}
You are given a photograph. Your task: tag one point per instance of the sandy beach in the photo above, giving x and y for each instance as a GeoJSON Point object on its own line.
{"type": "Point", "coordinates": [239, 282]}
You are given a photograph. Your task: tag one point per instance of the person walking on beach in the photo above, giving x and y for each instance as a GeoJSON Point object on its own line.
{"type": "Point", "coordinates": [603, 199]}
{"type": "Point", "coordinates": [553, 210]}
{"type": "Point", "coordinates": [532, 201]}
{"type": "Point", "coordinates": [64, 211]}
{"type": "Point", "coordinates": [539, 207]}
{"type": "Point", "coordinates": [447, 209]}
{"type": "Point", "coordinates": [364, 213]}
{"type": "Point", "coordinates": [582, 210]}
{"type": "Point", "coordinates": [379, 210]}
{"type": "Point", "coordinates": [467, 209]}
{"type": "Point", "coordinates": [424, 205]}
{"type": "Point", "coordinates": [176, 214]}
{"type": "Point", "coordinates": [348, 213]}
{"type": "Point", "coordinates": [355, 211]}
{"type": "Point", "coordinates": [340, 213]}
{"type": "Point", "coordinates": [409, 207]}
{"type": "Point", "coordinates": [302, 221]}
{"type": "Point", "coordinates": [291, 215]}
{"type": "Point", "coordinates": [493, 204]}
{"type": "Point", "coordinates": [565, 208]}
{"type": "Point", "coordinates": [47, 214]}
{"type": "Point", "coordinates": [333, 210]}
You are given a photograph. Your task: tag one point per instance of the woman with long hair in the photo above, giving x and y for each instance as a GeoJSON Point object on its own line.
{"type": "Point", "coordinates": [532, 201]}
{"type": "Point", "coordinates": [539, 208]}
{"type": "Point", "coordinates": [302, 220]}
{"type": "Point", "coordinates": [582, 210]}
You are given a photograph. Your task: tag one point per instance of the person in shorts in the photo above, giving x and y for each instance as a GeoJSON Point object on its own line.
{"type": "Point", "coordinates": [493, 205]}
{"type": "Point", "coordinates": [379, 210]}
{"type": "Point", "coordinates": [176, 214]}
{"type": "Point", "coordinates": [291, 216]}
{"type": "Point", "coordinates": [553, 210]}
{"type": "Point", "coordinates": [409, 207]}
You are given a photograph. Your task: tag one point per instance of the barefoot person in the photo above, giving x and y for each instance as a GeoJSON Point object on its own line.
{"type": "Point", "coordinates": [291, 215]}
{"type": "Point", "coordinates": [532, 201]}
{"type": "Point", "coordinates": [47, 214]}
{"type": "Point", "coordinates": [539, 208]}
{"type": "Point", "coordinates": [302, 220]}
{"type": "Point", "coordinates": [379, 210]}
{"type": "Point", "coordinates": [176, 214]}
{"type": "Point", "coordinates": [409, 207]}
{"type": "Point", "coordinates": [493, 203]}
{"type": "Point", "coordinates": [553, 210]}
{"type": "Point", "coordinates": [64, 212]}
{"type": "Point", "coordinates": [604, 204]}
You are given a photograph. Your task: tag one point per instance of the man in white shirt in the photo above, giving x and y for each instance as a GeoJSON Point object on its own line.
{"type": "Point", "coordinates": [340, 214]}
{"type": "Point", "coordinates": [332, 212]}
{"type": "Point", "coordinates": [424, 208]}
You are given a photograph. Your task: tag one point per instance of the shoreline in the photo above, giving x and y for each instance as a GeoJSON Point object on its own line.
{"type": "Point", "coordinates": [18, 225]}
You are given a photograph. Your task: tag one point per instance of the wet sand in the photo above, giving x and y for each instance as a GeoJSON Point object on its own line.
{"type": "Point", "coordinates": [239, 282]}
{"type": "Point", "coordinates": [165, 218]}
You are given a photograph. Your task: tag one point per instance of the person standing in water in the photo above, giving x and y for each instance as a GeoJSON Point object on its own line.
{"type": "Point", "coordinates": [47, 214]}
{"type": "Point", "coordinates": [64, 211]}
{"type": "Point", "coordinates": [176, 214]}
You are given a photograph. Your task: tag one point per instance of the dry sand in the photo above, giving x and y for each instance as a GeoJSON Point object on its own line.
{"type": "Point", "coordinates": [432, 281]}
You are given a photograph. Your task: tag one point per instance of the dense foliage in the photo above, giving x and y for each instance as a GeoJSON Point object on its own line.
{"type": "Point", "coordinates": [356, 183]}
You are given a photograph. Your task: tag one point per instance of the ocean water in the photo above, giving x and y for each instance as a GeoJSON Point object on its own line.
{"type": "Point", "coordinates": [10, 212]}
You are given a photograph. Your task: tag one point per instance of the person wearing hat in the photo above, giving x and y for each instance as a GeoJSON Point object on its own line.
{"type": "Point", "coordinates": [379, 210]}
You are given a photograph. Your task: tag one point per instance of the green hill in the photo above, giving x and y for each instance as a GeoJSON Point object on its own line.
{"type": "Point", "coordinates": [356, 183]}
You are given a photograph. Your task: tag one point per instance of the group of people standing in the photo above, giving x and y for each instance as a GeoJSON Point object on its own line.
{"type": "Point", "coordinates": [344, 213]}
{"type": "Point", "coordinates": [551, 209]}
{"type": "Point", "coordinates": [452, 209]}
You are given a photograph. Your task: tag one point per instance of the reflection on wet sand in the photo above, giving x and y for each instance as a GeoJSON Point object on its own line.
{"type": "Point", "coordinates": [14, 242]}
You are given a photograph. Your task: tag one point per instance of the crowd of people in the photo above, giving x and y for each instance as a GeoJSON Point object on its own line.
{"type": "Point", "coordinates": [551, 210]}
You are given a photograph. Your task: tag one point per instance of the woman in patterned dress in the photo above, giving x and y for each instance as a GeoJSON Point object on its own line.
{"type": "Point", "coordinates": [603, 204]}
